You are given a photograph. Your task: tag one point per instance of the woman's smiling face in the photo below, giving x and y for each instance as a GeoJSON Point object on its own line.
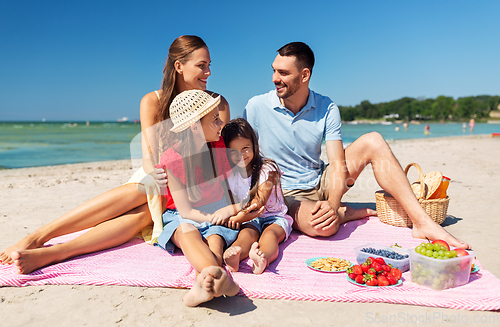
{"type": "Point", "coordinates": [196, 70]}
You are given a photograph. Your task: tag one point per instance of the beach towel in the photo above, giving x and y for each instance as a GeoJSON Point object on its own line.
{"type": "Point", "coordinates": [136, 263]}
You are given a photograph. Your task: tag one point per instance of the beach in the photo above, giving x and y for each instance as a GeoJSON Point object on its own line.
{"type": "Point", "coordinates": [35, 196]}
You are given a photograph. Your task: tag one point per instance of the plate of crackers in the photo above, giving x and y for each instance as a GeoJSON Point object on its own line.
{"type": "Point", "coordinates": [329, 264]}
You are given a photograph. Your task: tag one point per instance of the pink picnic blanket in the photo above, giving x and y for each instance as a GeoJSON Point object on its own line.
{"type": "Point", "coordinates": [136, 263]}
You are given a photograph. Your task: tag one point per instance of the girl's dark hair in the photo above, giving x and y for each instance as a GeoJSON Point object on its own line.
{"type": "Point", "coordinates": [239, 127]}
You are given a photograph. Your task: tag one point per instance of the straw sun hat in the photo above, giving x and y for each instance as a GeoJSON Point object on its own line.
{"type": "Point", "coordinates": [190, 106]}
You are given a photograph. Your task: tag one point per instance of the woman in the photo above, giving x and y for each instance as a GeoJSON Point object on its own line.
{"type": "Point", "coordinates": [119, 214]}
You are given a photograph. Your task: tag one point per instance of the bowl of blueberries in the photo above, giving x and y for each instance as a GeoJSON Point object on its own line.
{"type": "Point", "coordinates": [397, 257]}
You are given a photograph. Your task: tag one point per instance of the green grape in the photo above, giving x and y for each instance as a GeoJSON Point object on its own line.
{"type": "Point", "coordinates": [453, 253]}
{"type": "Point", "coordinates": [417, 249]}
{"type": "Point", "coordinates": [441, 253]}
{"type": "Point", "coordinates": [436, 247]}
{"type": "Point", "coordinates": [434, 254]}
{"type": "Point", "coordinates": [429, 253]}
{"type": "Point", "coordinates": [429, 246]}
{"type": "Point", "coordinates": [423, 250]}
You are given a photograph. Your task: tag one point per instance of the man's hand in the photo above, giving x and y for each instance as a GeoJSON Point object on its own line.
{"type": "Point", "coordinates": [323, 216]}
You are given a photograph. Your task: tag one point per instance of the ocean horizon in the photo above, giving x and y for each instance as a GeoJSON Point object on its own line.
{"type": "Point", "coordinates": [34, 144]}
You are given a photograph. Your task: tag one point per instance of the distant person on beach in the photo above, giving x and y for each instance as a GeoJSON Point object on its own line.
{"type": "Point", "coordinates": [119, 214]}
{"type": "Point", "coordinates": [427, 129]}
{"type": "Point", "coordinates": [197, 164]}
{"type": "Point", "coordinates": [255, 180]}
{"type": "Point", "coordinates": [405, 125]}
{"type": "Point", "coordinates": [472, 122]}
{"type": "Point", "coordinates": [292, 121]}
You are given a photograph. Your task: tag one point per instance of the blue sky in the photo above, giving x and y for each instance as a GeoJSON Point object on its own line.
{"type": "Point", "coordinates": [94, 60]}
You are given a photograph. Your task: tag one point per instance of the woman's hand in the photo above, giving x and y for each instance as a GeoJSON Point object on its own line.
{"type": "Point", "coordinates": [160, 176]}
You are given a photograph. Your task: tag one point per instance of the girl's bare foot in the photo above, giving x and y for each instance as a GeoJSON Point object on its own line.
{"type": "Point", "coordinates": [26, 243]}
{"type": "Point", "coordinates": [433, 231]}
{"type": "Point", "coordinates": [232, 258]}
{"type": "Point", "coordinates": [223, 283]}
{"type": "Point", "coordinates": [203, 288]}
{"type": "Point", "coordinates": [259, 259]}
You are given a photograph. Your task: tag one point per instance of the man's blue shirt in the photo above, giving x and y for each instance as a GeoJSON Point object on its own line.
{"type": "Point", "coordinates": [294, 141]}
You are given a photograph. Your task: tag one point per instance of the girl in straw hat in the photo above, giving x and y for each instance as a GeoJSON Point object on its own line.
{"type": "Point", "coordinates": [119, 214]}
{"type": "Point", "coordinates": [197, 167]}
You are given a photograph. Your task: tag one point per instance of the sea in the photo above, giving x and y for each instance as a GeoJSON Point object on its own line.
{"type": "Point", "coordinates": [33, 144]}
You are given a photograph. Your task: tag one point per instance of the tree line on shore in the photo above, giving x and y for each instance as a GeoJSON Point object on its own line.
{"type": "Point", "coordinates": [442, 108]}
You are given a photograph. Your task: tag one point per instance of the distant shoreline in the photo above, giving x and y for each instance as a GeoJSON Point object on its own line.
{"type": "Point", "coordinates": [123, 161]}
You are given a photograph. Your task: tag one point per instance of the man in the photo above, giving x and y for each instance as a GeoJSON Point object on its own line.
{"type": "Point", "coordinates": [291, 122]}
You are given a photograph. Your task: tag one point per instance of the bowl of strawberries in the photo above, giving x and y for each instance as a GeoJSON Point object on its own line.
{"type": "Point", "coordinates": [374, 272]}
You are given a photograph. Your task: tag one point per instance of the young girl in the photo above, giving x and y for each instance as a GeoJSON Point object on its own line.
{"type": "Point", "coordinates": [256, 180]}
{"type": "Point", "coordinates": [196, 177]}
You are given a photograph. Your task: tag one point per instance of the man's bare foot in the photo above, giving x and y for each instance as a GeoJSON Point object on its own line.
{"type": "Point", "coordinates": [433, 231]}
{"type": "Point", "coordinates": [259, 259]}
{"type": "Point", "coordinates": [203, 288]}
{"type": "Point", "coordinates": [232, 258]}
{"type": "Point", "coordinates": [347, 213]}
{"type": "Point", "coordinates": [26, 243]}
{"type": "Point", "coordinates": [224, 284]}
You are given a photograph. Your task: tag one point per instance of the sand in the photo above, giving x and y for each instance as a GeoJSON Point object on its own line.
{"type": "Point", "coordinates": [31, 197]}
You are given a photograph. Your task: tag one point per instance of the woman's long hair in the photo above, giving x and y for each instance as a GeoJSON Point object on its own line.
{"type": "Point", "coordinates": [239, 127]}
{"type": "Point", "coordinates": [180, 50]}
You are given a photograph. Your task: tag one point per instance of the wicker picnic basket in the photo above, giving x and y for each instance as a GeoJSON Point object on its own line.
{"type": "Point", "coordinates": [391, 212]}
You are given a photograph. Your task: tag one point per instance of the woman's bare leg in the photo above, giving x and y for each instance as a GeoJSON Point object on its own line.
{"type": "Point", "coordinates": [105, 235]}
{"type": "Point", "coordinates": [101, 208]}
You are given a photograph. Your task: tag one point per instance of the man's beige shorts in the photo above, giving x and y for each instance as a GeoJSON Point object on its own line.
{"type": "Point", "coordinates": [319, 193]}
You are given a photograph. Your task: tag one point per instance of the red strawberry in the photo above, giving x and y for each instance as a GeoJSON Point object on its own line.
{"type": "Point", "coordinates": [377, 266]}
{"type": "Point", "coordinates": [359, 279]}
{"type": "Point", "coordinates": [365, 266]}
{"type": "Point", "coordinates": [396, 273]}
{"type": "Point", "coordinates": [357, 270]}
{"type": "Point", "coordinates": [380, 261]}
{"type": "Point", "coordinates": [386, 268]}
{"type": "Point", "coordinates": [382, 281]}
{"type": "Point", "coordinates": [391, 279]}
{"type": "Point", "coordinates": [350, 273]}
{"type": "Point", "coordinates": [372, 272]}
{"type": "Point", "coordinates": [370, 280]}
